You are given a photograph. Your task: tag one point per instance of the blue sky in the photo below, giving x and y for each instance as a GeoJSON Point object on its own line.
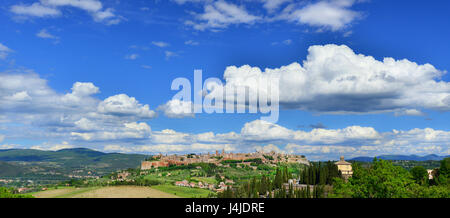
{"type": "Point", "coordinates": [125, 55]}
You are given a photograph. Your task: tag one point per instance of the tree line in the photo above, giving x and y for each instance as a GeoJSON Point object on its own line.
{"type": "Point", "coordinates": [276, 186]}
{"type": "Point", "coordinates": [321, 173]}
{"type": "Point", "coordinates": [382, 179]}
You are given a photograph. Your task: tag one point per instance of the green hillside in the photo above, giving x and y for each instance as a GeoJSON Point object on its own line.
{"type": "Point", "coordinates": [53, 166]}
{"type": "Point", "coordinates": [11, 170]}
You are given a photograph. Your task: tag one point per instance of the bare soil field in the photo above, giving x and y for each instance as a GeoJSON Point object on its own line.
{"type": "Point", "coordinates": [105, 192]}
{"type": "Point", "coordinates": [52, 193]}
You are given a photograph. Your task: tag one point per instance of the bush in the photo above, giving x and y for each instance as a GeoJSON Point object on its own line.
{"type": "Point", "coordinates": [9, 193]}
{"type": "Point", "coordinates": [384, 180]}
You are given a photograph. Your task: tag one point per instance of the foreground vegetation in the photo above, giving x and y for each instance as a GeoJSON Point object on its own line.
{"type": "Point", "coordinates": [379, 179]}
{"type": "Point", "coordinates": [184, 192]}
{"type": "Point", "coordinates": [317, 178]}
{"type": "Point", "coordinates": [11, 193]}
{"type": "Point", "coordinates": [384, 180]}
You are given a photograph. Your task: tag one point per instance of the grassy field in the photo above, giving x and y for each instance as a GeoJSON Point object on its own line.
{"type": "Point", "coordinates": [105, 192]}
{"type": "Point", "coordinates": [62, 192]}
{"type": "Point", "coordinates": [184, 192]}
{"type": "Point", "coordinates": [209, 180]}
{"type": "Point", "coordinates": [53, 193]}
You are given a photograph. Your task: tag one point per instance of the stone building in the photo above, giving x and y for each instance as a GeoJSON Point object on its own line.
{"type": "Point", "coordinates": [345, 168]}
{"type": "Point", "coordinates": [431, 174]}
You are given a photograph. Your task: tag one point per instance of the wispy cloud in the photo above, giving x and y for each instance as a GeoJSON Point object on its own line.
{"type": "Point", "coordinates": [331, 15]}
{"type": "Point", "coordinates": [51, 8]}
{"type": "Point", "coordinates": [35, 10]}
{"type": "Point", "coordinates": [284, 42]}
{"type": "Point", "coordinates": [170, 54]}
{"type": "Point", "coordinates": [221, 14]}
{"type": "Point", "coordinates": [191, 42]}
{"type": "Point", "coordinates": [272, 5]}
{"type": "Point", "coordinates": [160, 44]}
{"type": "Point", "coordinates": [4, 51]}
{"type": "Point", "coordinates": [132, 56]}
{"type": "Point", "coordinates": [45, 34]}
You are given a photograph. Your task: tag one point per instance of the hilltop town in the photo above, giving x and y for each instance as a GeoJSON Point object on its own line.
{"type": "Point", "coordinates": [244, 161]}
{"type": "Point", "coordinates": [222, 159]}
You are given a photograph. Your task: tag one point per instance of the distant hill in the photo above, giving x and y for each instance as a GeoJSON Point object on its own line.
{"type": "Point", "coordinates": [401, 157]}
{"type": "Point", "coordinates": [77, 161]}
{"type": "Point", "coordinates": [10, 170]}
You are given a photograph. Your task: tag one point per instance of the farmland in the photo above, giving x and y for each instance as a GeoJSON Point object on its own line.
{"type": "Point", "coordinates": [104, 192]}
{"type": "Point", "coordinates": [183, 192]}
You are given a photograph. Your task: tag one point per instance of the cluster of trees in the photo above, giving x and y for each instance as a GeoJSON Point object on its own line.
{"type": "Point", "coordinates": [282, 175]}
{"type": "Point", "coordinates": [382, 179]}
{"type": "Point", "coordinates": [257, 187]}
{"type": "Point", "coordinates": [318, 191]}
{"type": "Point", "coordinates": [321, 173]}
{"type": "Point", "coordinates": [192, 155]}
{"type": "Point", "coordinates": [137, 182]}
{"type": "Point", "coordinates": [251, 189]}
{"type": "Point", "coordinates": [268, 157]}
{"type": "Point", "coordinates": [442, 176]}
{"type": "Point", "coordinates": [272, 186]}
{"type": "Point", "coordinates": [231, 161]}
{"type": "Point", "coordinates": [11, 193]}
{"type": "Point", "coordinates": [254, 160]}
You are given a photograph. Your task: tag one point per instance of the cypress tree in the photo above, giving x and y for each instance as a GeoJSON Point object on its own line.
{"type": "Point", "coordinates": [308, 192]}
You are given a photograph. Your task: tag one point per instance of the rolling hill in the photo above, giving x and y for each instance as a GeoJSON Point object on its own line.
{"type": "Point", "coordinates": [401, 157]}
{"type": "Point", "coordinates": [63, 164]}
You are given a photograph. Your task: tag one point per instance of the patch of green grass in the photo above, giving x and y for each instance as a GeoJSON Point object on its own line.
{"type": "Point", "coordinates": [184, 192]}
{"type": "Point", "coordinates": [209, 180]}
{"type": "Point", "coordinates": [48, 189]}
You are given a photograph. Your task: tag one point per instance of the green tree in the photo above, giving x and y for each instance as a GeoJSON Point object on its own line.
{"type": "Point", "coordinates": [381, 180]}
{"type": "Point", "coordinates": [443, 174]}
{"type": "Point", "coordinates": [420, 175]}
{"type": "Point", "coordinates": [10, 193]}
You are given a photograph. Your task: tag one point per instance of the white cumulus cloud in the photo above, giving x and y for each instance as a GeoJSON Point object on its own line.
{"type": "Point", "coordinates": [177, 109]}
{"type": "Point", "coordinates": [328, 14]}
{"type": "Point", "coordinates": [132, 130]}
{"type": "Point", "coordinates": [334, 79]}
{"type": "Point", "coordinates": [123, 105]}
{"type": "Point", "coordinates": [26, 99]}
